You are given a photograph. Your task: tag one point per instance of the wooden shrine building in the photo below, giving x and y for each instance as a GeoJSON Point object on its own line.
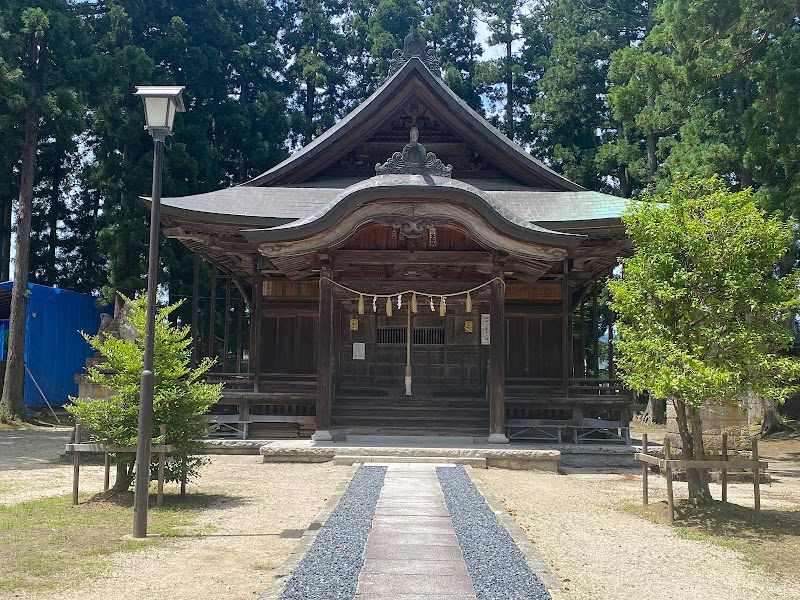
{"type": "Point", "coordinates": [412, 270]}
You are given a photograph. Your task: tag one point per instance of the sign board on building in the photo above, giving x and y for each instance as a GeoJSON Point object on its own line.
{"type": "Point", "coordinates": [484, 330]}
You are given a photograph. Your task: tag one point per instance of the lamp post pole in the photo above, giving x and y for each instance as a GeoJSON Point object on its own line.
{"type": "Point", "coordinates": [147, 381]}
{"type": "Point", "coordinates": [160, 105]}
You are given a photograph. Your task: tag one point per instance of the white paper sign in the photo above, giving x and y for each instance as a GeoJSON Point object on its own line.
{"type": "Point", "coordinates": [485, 330]}
{"type": "Point", "coordinates": [359, 351]}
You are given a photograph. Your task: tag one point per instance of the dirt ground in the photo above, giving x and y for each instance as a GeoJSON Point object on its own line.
{"type": "Point", "coordinates": [579, 523]}
{"type": "Point", "coordinates": [254, 530]}
{"type": "Point", "coordinates": [598, 549]}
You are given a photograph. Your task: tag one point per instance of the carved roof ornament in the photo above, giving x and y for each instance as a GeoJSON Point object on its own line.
{"type": "Point", "coordinates": [415, 45]}
{"type": "Point", "coordinates": [414, 160]}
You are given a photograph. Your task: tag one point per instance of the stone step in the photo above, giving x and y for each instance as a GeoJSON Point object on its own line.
{"type": "Point", "coordinates": [412, 439]}
{"type": "Point", "coordinates": [354, 459]}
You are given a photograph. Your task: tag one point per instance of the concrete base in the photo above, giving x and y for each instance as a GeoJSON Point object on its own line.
{"type": "Point", "coordinates": [322, 435]}
{"type": "Point", "coordinates": [506, 458]}
{"type": "Point", "coordinates": [349, 459]}
{"type": "Point", "coordinates": [497, 438]}
{"type": "Point", "coordinates": [396, 440]}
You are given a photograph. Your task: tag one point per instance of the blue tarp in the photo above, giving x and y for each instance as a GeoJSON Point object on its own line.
{"type": "Point", "coordinates": [55, 351]}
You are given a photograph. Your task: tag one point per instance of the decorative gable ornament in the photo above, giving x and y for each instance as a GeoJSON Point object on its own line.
{"type": "Point", "coordinates": [415, 45]}
{"type": "Point", "coordinates": [414, 160]}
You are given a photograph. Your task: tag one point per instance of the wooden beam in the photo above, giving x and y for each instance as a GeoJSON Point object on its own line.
{"type": "Point", "coordinates": [345, 258]}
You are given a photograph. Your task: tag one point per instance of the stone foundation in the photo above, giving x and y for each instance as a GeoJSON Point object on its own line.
{"type": "Point", "coordinates": [717, 420]}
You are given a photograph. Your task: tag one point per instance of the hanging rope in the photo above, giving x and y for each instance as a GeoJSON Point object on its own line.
{"type": "Point", "coordinates": [441, 296]}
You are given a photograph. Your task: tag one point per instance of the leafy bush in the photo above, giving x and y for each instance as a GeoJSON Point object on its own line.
{"type": "Point", "coordinates": [180, 399]}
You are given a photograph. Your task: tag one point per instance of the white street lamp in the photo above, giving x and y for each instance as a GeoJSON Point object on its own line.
{"type": "Point", "coordinates": [160, 105]}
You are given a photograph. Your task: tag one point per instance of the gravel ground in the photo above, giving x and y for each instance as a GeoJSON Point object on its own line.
{"type": "Point", "coordinates": [32, 465]}
{"type": "Point", "coordinates": [330, 569]}
{"type": "Point", "coordinates": [598, 551]}
{"type": "Point", "coordinates": [497, 568]}
{"type": "Point", "coordinates": [255, 529]}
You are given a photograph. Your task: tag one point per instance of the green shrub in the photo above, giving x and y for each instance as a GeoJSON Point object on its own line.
{"type": "Point", "coordinates": [180, 399]}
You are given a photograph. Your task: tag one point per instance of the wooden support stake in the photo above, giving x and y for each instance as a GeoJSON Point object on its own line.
{"type": "Point", "coordinates": [756, 481]}
{"type": "Point", "coordinates": [670, 498]}
{"type": "Point", "coordinates": [645, 468]}
{"type": "Point", "coordinates": [725, 471]}
{"type": "Point", "coordinates": [161, 460]}
{"type": "Point", "coordinates": [107, 472]}
{"type": "Point", "coordinates": [76, 465]}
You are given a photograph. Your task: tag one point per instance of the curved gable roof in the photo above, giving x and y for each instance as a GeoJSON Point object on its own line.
{"type": "Point", "coordinates": [388, 188]}
{"type": "Point", "coordinates": [372, 114]}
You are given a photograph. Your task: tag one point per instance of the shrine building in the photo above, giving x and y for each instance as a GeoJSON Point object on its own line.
{"type": "Point", "coordinates": [414, 271]}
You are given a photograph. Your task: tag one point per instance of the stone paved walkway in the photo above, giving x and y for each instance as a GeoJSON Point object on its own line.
{"type": "Point", "coordinates": [412, 552]}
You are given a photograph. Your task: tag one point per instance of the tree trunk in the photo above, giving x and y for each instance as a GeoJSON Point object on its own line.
{"type": "Point", "coordinates": [14, 386]}
{"type": "Point", "coordinates": [771, 422]}
{"type": "Point", "coordinates": [655, 411]}
{"type": "Point", "coordinates": [5, 239]}
{"type": "Point", "coordinates": [124, 477]}
{"type": "Point", "coordinates": [509, 87]}
{"type": "Point", "coordinates": [690, 429]}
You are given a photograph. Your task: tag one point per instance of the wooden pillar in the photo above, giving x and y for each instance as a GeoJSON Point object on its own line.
{"type": "Point", "coordinates": [582, 343]}
{"type": "Point", "coordinates": [610, 319]}
{"type": "Point", "coordinates": [239, 318]}
{"type": "Point", "coordinates": [212, 312]}
{"type": "Point", "coordinates": [256, 317]}
{"type": "Point", "coordinates": [195, 307]}
{"type": "Point", "coordinates": [595, 337]}
{"type": "Point", "coordinates": [324, 359]}
{"type": "Point", "coordinates": [227, 327]}
{"type": "Point", "coordinates": [566, 329]}
{"type": "Point", "coordinates": [497, 361]}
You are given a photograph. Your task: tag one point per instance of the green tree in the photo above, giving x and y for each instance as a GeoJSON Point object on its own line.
{"type": "Point", "coordinates": [700, 305]}
{"type": "Point", "coordinates": [315, 41]}
{"type": "Point", "coordinates": [571, 122]}
{"type": "Point", "coordinates": [706, 93]}
{"type": "Point", "coordinates": [451, 26]}
{"type": "Point", "coordinates": [180, 398]}
{"type": "Point", "coordinates": [500, 75]}
{"type": "Point", "coordinates": [40, 46]}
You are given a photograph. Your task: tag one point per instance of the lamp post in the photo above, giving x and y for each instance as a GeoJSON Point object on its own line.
{"type": "Point", "coordinates": [160, 105]}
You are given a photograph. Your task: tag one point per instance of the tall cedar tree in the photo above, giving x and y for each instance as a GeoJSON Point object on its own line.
{"type": "Point", "coordinates": [226, 54]}
{"type": "Point", "coordinates": [571, 121]}
{"type": "Point", "coordinates": [451, 26]}
{"type": "Point", "coordinates": [700, 305]}
{"type": "Point", "coordinates": [46, 39]}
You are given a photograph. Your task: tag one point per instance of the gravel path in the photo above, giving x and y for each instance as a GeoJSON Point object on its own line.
{"type": "Point", "coordinates": [330, 569]}
{"type": "Point", "coordinates": [497, 568]}
{"type": "Point", "coordinates": [599, 551]}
